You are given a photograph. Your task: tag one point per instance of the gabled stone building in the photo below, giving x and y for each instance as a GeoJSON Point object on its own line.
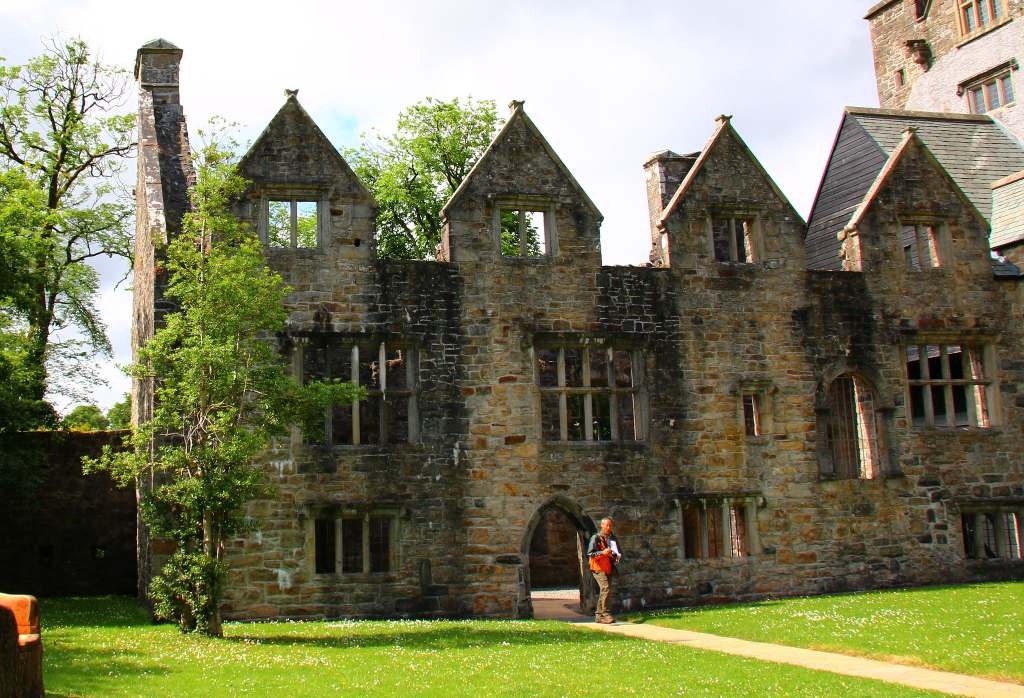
{"type": "Point", "coordinates": [755, 426]}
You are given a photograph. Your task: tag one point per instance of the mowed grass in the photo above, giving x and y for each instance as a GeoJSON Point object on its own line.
{"type": "Point", "coordinates": [972, 629]}
{"type": "Point", "coordinates": [106, 646]}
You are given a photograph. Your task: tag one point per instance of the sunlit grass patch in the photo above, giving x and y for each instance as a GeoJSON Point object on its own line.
{"type": "Point", "coordinates": [971, 629]}
{"type": "Point", "coordinates": [106, 646]}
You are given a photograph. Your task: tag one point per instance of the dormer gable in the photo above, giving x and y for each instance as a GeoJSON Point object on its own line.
{"type": "Point", "coordinates": [304, 194]}
{"type": "Point", "coordinates": [728, 210]}
{"type": "Point", "coordinates": [520, 202]}
{"type": "Point", "coordinates": [915, 217]}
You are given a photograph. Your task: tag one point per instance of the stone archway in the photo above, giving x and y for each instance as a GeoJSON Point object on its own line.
{"type": "Point", "coordinates": [564, 545]}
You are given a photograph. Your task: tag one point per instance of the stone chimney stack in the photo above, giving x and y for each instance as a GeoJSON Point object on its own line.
{"type": "Point", "coordinates": [156, 70]}
{"type": "Point", "coordinates": [664, 172]}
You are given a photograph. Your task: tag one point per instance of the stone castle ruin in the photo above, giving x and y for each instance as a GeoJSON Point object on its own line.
{"type": "Point", "coordinates": [770, 407]}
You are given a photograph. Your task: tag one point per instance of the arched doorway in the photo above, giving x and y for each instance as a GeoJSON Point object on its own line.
{"type": "Point", "coordinates": [556, 578]}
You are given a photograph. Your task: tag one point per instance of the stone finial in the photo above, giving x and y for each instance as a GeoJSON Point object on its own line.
{"type": "Point", "coordinates": [910, 130]}
{"type": "Point", "coordinates": [291, 94]}
{"type": "Point", "coordinates": [516, 104]}
{"type": "Point", "coordinates": [723, 118]}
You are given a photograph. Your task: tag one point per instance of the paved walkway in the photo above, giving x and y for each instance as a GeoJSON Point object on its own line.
{"type": "Point", "coordinates": [928, 679]}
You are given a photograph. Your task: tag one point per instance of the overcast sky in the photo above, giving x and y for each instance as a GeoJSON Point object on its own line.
{"type": "Point", "coordinates": [607, 82]}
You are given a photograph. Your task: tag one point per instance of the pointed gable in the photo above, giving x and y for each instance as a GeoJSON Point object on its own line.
{"type": "Point", "coordinates": [293, 151]}
{"type": "Point", "coordinates": [724, 142]}
{"type": "Point", "coordinates": [512, 159]}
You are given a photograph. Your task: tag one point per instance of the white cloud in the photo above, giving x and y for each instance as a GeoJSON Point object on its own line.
{"type": "Point", "coordinates": [607, 82]}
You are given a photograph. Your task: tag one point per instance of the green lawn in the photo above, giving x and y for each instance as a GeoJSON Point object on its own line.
{"type": "Point", "coordinates": [973, 629]}
{"type": "Point", "coordinates": [106, 647]}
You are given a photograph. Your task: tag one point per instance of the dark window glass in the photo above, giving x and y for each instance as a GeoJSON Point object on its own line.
{"type": "Point", "coordinates": [323, 535]}
{"type": "Point", "coordinates": [380, 544]}
{"type": "Point", "coordinates": [691, 533]}
{"type": "Point", "coordinates": [352, 545]}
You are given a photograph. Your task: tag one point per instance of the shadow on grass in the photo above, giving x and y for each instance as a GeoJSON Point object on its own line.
{"type": "Point", "coordinates": [441, 636]}
{"type": "Point", "coordinates": [93, 612]}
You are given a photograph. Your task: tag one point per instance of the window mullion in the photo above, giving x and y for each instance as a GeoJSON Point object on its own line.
{"type": "Point", "coordinates": [613, 397]}
{"type": "Point", "coordinates": [294, 223]}
{"type": "Point", "coordinates": [563, 407]}
{"type": "Point", "coordinates": [929, 412]}
{"type": "Point", "coordinates": [588, 403]}
{"type": "Point", "coordinates": [522, 233]}
{"type": "Point", "coordinates": [355, 401]}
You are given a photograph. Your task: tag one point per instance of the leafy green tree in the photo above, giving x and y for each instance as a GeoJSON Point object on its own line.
{"type": "Point", "coordinates": [59, 130]}
{"type": "Point", "coordinates": [86, 418]}
{"type": "Point", "coordinates": [23, 215]}
{"type": "Point", "coordinates": [222, 394]}
{"type": "Point", "coordinates": [414, 171]}
{"type": "Point", "coordinates": [120, 413]}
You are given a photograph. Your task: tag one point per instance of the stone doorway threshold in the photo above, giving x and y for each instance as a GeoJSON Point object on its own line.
{"type": "Point", "coordinates": [557, 604]}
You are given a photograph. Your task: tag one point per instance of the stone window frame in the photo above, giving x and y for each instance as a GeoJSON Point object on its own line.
{"type": "Point", "coordinates": [1005, 521]}
{"type": "Point", "coordinates": [884, 461]}
{"type": "Point", "coordinates": [738, 541]}
{"type": "Point", "coordinates": [318, 515]}
{"type": "Point", "coordinates": [932, 234]}
{"type": "Point", "coordinates": [410, 392]}
{"type": "Point", "coordinates": [638, 390]}
{"type": "Point", "coordinates": [294, 195]}
{"type": "Point", "coordinates": [994, 77]}
{"type": "Point", "coordinates": [755, 233]}
{"type": "Point", "coordinates": [982, 354]}
{"type": "Point", "coordinates": [759, 395]}
{"type": "Point", "coordinates": [997, 10]}
{"type": "Point", "coordinates": [541, 204]}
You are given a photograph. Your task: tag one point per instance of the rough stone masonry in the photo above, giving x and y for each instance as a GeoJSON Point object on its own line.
{"type": "Point", "coordinates": [754, 427]}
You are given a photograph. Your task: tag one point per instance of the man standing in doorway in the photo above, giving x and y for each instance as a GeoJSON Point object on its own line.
{"type": "Point", "coordinates": [604, 555]}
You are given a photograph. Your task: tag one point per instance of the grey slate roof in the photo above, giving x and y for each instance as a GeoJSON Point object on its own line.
{"type": "Point", "coordinates": [975, 150]}
{"type": "Point", "coordinates": [1003, 267]}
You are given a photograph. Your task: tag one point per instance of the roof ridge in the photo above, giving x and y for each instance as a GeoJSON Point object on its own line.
{"type": "Point", "coordinates": [931, 115]}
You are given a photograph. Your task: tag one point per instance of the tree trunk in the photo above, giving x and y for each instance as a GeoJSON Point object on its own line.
{"type": "Point", "coordinates": [211, 546]}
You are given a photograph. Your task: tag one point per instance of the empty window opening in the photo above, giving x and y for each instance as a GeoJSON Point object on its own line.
{"type": "Point", "coordinates": [949, 386]}
{"type": "Point", "coordinates": [589, 394]}
{"type": "Point", "coordinates": [992, 534]}
{"type": "Point", "coordinates": [324, 542]}
{"type": "Point", "coordinates": [752, 414]}
{"type": "Point", "coordinates": [380, 544]}
{"type": "Point", "coordinates": [719, 527]}
{"type": "Point", "coordinates": [387, 372]}
{"type": "Point", "coordinates": [900, 77]}
{"type": "Point", "coordinates": [733, 239]}
{"type": "Point", "coordinates": [523, 233]}
{"type": "Point", "coordinates": [922, 248]}
{"type": "Point", "coordinates": [352, 546]}
{"type": "Point", "coordinates": [292, 223]}
{"type": "Point", "coordinates": [990, 93]}
{"type": "Point", "coordinates": [852, 429]}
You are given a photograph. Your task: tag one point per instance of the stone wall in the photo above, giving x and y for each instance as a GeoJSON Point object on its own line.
{"type": "Point", "coordinates": [72, 534]}
{"type": "Point", "coordinates": [695, 344]}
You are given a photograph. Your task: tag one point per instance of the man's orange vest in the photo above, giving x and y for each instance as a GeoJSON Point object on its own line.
{"type": "Point", "coordinates": [601, 563]}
